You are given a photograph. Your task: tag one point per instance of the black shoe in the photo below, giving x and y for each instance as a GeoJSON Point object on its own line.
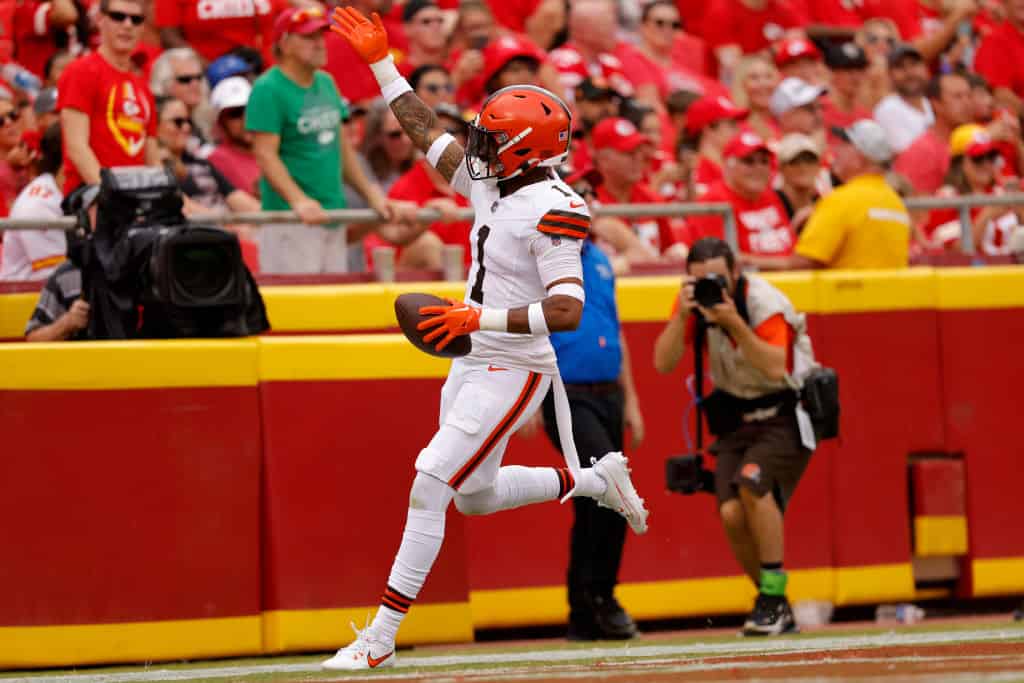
{"type": "Point", "coordinates": [772, 616]}
{"type": "Point", "coordinates": [613, 622]}
{"type": "Point", "coordinates": [582, 625]}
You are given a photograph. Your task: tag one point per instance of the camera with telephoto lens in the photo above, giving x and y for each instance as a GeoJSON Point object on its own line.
{"type": "Point", "coordinates": [686, 474]}
{"type": "Point", "coordinates": [710, 290]}
{"type": "Point", "coordinates": [148, 273]}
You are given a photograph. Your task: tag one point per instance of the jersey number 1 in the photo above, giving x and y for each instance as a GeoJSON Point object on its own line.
{"type": "Point", "coordinates": [477, 293]}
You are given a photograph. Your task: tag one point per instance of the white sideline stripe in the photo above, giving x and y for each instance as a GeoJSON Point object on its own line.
{"type": "Point", "coordinates": [739, 647]}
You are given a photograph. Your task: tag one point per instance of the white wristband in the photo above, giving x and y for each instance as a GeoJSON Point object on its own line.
{"type": "Point", "coordinates": [569, 289]}
{"type": "Point", "coordinates": [538, 323]}
{"type": "Point", "coordinates": [438, 147]}
{"type": "Point", "coordinates": [385, 71]}
{"type": "Point", "coordinates": [494, 320]}
{"type": "Point", "coordinates": [395, 89]}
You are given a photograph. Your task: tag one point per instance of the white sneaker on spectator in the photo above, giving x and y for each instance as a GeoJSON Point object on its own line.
{"type": "Point", "coordinates": [620, 494]}
{"type": "Point", "coordinates": [366, 652]}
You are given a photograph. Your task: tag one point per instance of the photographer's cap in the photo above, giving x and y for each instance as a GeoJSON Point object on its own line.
{"type": "Point", "coordinates": [792, 93]}
{"type": "Point", "coordinates": [868, 137]}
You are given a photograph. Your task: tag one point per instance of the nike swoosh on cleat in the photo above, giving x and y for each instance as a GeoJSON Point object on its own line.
{"type": "Point", "coordinates": [374, 662]}
{"type": "Point", "coordinates": [491, 368]}
{"type": "Point", "coordinates": [575, 205]}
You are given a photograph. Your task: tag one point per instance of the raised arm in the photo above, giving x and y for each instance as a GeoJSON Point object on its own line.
{"type": "Point", "coordinates": [370, 40]}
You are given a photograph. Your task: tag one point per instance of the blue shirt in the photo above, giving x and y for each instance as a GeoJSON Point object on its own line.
{"type": "Point", "coordinates": [592, 352]}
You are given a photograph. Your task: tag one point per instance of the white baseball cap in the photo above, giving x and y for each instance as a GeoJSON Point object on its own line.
{"type": "Point", "coordinates": [231, 92]}
{"type": "Point", "coordinates": [869, 138]}
{"type": "Point", "coordinates": [792, 93]}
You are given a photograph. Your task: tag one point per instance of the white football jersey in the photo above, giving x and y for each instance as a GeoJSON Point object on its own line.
{"type": "Point", "coordinates": [521, 243]}
{"type": "Point", "coordinates": [34, 254]}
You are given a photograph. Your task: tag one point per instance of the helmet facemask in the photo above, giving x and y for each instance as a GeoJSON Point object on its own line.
{"type": "Point", "coordinates": [482, 148]}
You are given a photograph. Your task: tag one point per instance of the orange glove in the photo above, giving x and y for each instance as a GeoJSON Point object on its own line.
{"type": "Point", "coordinates": [456, 319]}
{"type": "Point", "coordinates": [370, 40]}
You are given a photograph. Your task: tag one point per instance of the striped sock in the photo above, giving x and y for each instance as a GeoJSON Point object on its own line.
{"type": "Point", "coordinates": [566, 482]}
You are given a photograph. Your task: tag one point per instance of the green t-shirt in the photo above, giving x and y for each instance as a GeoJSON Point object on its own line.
{"type": "Point", "coordinates": [308, 122]}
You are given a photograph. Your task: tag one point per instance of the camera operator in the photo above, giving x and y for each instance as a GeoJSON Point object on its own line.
{"type": "Point", "coordinates": [61, 314]}
{"type": "Point", "coordinates": [758, 352]}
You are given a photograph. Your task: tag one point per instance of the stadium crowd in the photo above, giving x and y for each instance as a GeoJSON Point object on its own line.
{"type": "Point", "coordinates": [811, 118]}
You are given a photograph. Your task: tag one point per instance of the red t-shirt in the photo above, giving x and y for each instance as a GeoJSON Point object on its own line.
{"type": "Point", "coordinates": [943, 226]}
{"type": "Point", "coordinates": [513, 14]}
{"type": "Point", "coordinates": [642, 70]}
{"type": "Point", "coordinates": [1000, 58]}
{"type": "Point", "coordinates": [911, 17]}
{"type": "Point", "coordinates": [761, 225]}
{"type": "Point", "coordinates": [34, 36]}
{"type": "Point", "coordinates": [238, 166]}
{"type": "Point", "coordinates": [831, 12]}
{"type": "Point", "coordinates": [573, 69]}
{"type": "Point", "coordinates": [121, 110]}
{"type": "Point", "coordinates": [925, 163]}
{"type": "Point", "coordinates": [654, 232]}
{"type": "Point", "coordinates": [833, 116]}
{"type": "Point", "coordinates": [706, 175]}
{"type": "Point", "coordinates": [214, 27]}
{"type": "Point", "coordinates": [416, 186]}
{"type": "Point", "coordinates": [730, 22]}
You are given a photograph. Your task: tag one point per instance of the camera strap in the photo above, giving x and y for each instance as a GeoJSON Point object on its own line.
{"type": "Point", "coordinates": [699, 340]}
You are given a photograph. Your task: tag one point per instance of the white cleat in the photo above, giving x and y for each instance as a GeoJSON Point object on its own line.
{"type": "Point", "coordinates": [620, 495]}
{"type": "Point", "coordinates": [365, 653]}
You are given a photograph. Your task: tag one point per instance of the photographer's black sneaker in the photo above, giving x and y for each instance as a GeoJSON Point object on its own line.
{"type": "Point", "coordinates": [772, 616]}
{"type": "Point", "coordinates": [613, 622]}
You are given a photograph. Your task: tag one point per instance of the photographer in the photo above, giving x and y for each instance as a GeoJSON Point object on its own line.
{"type": "Point", "coordinates": [759, 353]}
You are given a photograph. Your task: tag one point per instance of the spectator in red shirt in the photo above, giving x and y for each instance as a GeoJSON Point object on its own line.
{"type": "Point", "coordinates": [927, 160]}
{"type": "Point", "coordinates": [1000, 58]}
{"type": "Point", "coordinates": [107, 114]}
{"type": "Point", "coordinates": [540, 20]}
{"type": "Point", "coordinates": [233, 155]}
{"type": "Point", "coordinates": [425, 29]}
{"type": "Point", "coordinates": [710, 123]}
{"type": "Point", "coordinates": [621, 155]}
{"type": "Point", "coordinates": [40, 28]}
{"type": "Point", "coordinates": [847, 64]}
{"type": "Point", "coordinates": [762, 227]}
{"type": "Point", "coordinates": [737, 27]}
{"type": "Point", "coordinates": [510, 60]}
{"type": "Point", "coordinates": [755, 80]}
{"type": "Point", "coordinates": [800, 58]}
{"type": "Point", "coordinates": [214, 28]}
{"type": "Point", "coordinates": [973, 171]}
{"type": "Point", "coordinates": [929, 24]}
{"type": "Point", "coordinates": [593, 27]}
{"type": "Point", "coordinates": [653, 65]}
{"type": "Point", "coordinates": [11, 128]}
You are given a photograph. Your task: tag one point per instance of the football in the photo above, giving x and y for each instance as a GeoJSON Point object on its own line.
{"type": "Point", "coordinates": [407, 312]}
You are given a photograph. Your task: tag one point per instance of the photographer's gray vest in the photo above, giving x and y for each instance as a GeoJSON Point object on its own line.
{"type": "Point", "coordinates": [731, 371]}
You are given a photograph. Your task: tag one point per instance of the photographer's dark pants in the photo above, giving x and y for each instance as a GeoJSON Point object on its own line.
{"type": "Point", "coordinates": [764, 457]}
{"type": "Point", "coordinates": [598, 534]}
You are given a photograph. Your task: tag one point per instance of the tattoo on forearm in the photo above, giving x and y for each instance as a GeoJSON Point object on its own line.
{"type": "Point", "coordinates": [421, 125]}
{"type": "Point", "coordinates": [416, 118]}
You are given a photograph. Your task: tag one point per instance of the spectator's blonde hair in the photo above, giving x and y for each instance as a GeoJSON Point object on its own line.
{"type": "Point", "coordinates": [739, 77]}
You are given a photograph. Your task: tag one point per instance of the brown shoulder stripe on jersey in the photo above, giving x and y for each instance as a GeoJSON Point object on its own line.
{"type": "Point", "coordinates": [564, 223]}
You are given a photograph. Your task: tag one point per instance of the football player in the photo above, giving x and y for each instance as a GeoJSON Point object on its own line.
{"type": "Point", "coordinates": [525, 282]}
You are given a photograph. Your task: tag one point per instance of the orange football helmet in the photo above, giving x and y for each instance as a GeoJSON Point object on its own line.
{"type": "Point", "coordinates": [518, 129]}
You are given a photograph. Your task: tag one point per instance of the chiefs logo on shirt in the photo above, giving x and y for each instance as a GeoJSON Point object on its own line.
{"type": "Point", "coordinates": [126, 117]}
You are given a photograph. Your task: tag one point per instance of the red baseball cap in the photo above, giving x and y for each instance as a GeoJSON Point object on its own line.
{"type": "Point", "coordinates": [503, 50]}
{"type": "Point", "coordinates": [300, 20]}
{"type": "Point", "coordinates": [711, 109]}
{"type": "Point", "coordinates": [792, 49]}
{"type": "Point", "coordinates": [618, 134]}
{"type": "Point", "coordinates": [745, 144]}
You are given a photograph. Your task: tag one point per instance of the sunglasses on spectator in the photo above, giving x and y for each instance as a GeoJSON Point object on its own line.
{"type": "Point", "coordinates": [427, 21]}
{"type": "Point", "coordinates": [873, 38]}
{"type": "Point", "coordinates": [9, 117]}
{"type": "Point", "coordinates": [233, 112]}
{"type": "Point", "coordinates": [119, 17]}
{"type": "Point", "coordinates": [185, 79]}
{"type": "Point", "coordinates": [665, 23]}
{"type": "Point", "coordinates": [180, 121]}
{"type": "Point", "coordinates": [989, 158]}
{"type": "Point", "coordinates": [437, 88]}
{"type": "Point", "coordinates": [394, 134]}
